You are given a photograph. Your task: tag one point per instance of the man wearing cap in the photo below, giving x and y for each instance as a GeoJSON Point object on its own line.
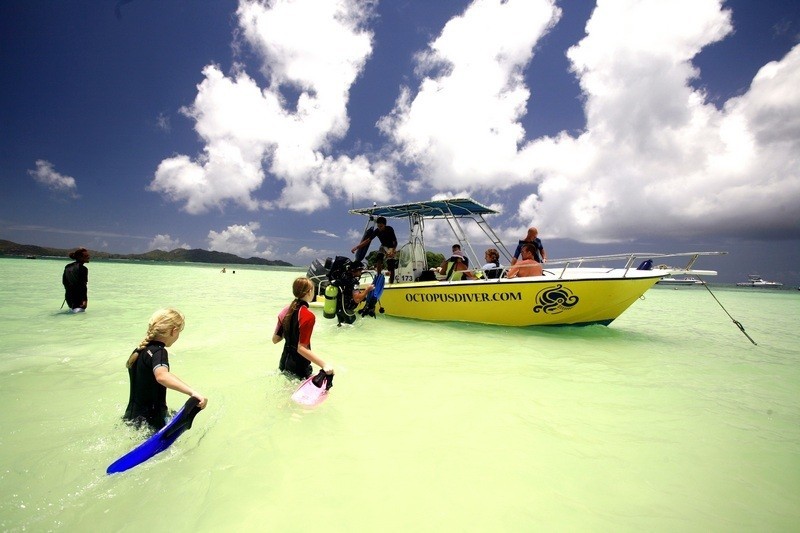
{"type": "Point", "coordinates": [350, 294]}
{"type": "Point", "coordinates": [355, 270]}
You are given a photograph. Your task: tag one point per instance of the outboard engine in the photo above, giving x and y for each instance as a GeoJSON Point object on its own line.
{"type": "Point", "coordinates": [318, 274]}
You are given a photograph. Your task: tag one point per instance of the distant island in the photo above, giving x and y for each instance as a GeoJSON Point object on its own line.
{"type": "Point", "coordinates": [9, 248]}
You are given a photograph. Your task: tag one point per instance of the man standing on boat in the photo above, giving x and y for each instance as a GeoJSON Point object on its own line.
{"type": "Point", "coordinates": [533, 239]}
{"type": "Point", "coordinates": [388, 240]}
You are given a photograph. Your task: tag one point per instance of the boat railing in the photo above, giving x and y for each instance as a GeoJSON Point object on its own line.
{"type": "Point", "coordinates": [630, 261]}
{"type": "Point", "coordinates": [633, 260]}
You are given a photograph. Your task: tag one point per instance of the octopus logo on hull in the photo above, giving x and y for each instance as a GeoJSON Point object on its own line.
{"type": "Point", "coordinates": [554, 300]}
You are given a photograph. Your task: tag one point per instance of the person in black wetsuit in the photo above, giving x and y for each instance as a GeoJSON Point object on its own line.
{"type": "Point", "coordinates": [295, 326]}
{"type": "Point", "coordinates": [388, 239]}
{"type": "Point", "coordinates": [75, 279]}
{"type": "Point", "coordinates": [149, 373]}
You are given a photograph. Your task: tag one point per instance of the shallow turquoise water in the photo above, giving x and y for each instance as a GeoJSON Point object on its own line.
{"type": "Point", "coordinates": [667, 420]}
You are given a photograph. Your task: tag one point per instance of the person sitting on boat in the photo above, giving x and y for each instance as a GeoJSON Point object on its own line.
{"type": "Point", "coordinates": [531, 238]}
{"type": "Point", "coordinates": [456, 249]}
{"type": "Point", "coordinates": [527, 266]}
{"type": "Point", "coordinates": [388, 240]}
{"type": "Point", "coordinates": [457, 269]}
{"type": "Point", "coordinates": [492, 268]}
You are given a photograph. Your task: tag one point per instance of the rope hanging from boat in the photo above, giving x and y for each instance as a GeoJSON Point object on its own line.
{"type": "Point", "coordinates": [738, 324]}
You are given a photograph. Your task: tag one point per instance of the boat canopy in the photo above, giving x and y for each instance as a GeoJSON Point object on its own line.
{"type": "Point", "coordinates": [447, 208]}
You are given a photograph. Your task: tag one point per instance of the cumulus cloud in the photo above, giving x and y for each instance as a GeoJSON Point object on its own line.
{"type": "Point", "coordinates": [166, 243]}
{"type": "Point", "coordinates": [311, 52]}
{"type": "Point", "coordinates": [306, 254]}
{"type": "Point", "coordinates": [45, 174]}
{"type": "Point", "coordinates": [240, 240]}
{"type": "Point", "coordinates": [325, 232]}
{"type": "Point", "coordinates": [656, 157]}
{"type": "Point", "coordinates": [461, 128]}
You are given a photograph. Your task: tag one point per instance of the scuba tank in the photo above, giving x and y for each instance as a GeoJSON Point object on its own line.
{"type": "Point", "coordinates": [329, 309]}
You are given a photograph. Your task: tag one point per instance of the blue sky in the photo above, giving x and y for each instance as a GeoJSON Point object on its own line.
{"type": "Point", "coordinates": [251, 127]}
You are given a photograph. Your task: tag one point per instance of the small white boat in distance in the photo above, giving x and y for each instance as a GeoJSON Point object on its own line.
{"type": "Point", "coordinates": [754, 280]}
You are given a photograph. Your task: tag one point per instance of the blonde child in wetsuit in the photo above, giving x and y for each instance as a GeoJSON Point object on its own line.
{"type": "Point", "coordinates": [149, 372]}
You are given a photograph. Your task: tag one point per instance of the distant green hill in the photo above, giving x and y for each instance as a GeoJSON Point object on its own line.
{"type": "Point", "coordinates": [177, 255]}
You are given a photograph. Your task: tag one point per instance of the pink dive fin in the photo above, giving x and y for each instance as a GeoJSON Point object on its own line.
{"type": "Point", "coordinates": [309, 394]}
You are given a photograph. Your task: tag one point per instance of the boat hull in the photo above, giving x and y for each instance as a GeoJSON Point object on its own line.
{"type": "Point", "coordinates": [536, 301]}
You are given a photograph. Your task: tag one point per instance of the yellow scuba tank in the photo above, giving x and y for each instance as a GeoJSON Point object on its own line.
{"type": "Point", "coordinates": [329, 309]}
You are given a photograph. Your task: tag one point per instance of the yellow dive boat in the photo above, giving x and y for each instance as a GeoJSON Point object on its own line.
{"type": "Point", "coordinates": [569, 292]}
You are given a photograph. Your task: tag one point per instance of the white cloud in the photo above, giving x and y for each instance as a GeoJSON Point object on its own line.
{"type": "Point", "coordinates": [655, 156]}
{"type": "Point", "coordinates": [163, 122]}
{"type": "Point", "coordinates": [355, 236]}
{"type": "Point", "coordinates": [46, 175]}
{"type": "Point", "coordinates": [166, 243]}
{"type": "Point", "coordinates": [325, 232]}
{"type": "Point", "coordinates": [240, 240]}
{"type": "Point", "coordinates": [304, 255]}
{"type": "Point", "coordinates": [462, 125]}
{"type": "Point", "coordinates": [313, 49]}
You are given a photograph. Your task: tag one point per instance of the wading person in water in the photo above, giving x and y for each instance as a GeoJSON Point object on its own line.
{"type": "Point", "coordinates": [75, 279]}
{"type": "Point", "coordinates": [149, 373]}
{"type": "Point", "coordinates": [295, 326]}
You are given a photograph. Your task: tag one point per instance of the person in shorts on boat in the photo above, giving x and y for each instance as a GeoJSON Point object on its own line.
{"type": "Point", "coordinates": [531, 238]}
{"type": "Point", "coordinates": [75, 280]}
{"type": "Point", "coordinates": [527, 266]}
{"type": "Point", "coordinates": [491, 268]}
{"type": "Point", "coordinates": [295, 326]}
{"type": "Point", "coordinates": [388, 249]}
{"type": "Point", "coordinates": [149, 372]}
